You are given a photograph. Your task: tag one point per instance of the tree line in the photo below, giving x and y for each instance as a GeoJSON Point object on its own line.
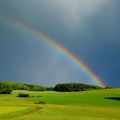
{"type": "Point", "coordinates": [71, 87]}
{"type": "Point", "coordinates": [8, 87]}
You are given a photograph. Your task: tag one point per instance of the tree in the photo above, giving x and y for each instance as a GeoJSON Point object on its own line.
{"type": "Point", "coordinates": [108, 87]}
{"type": "Point", "coordinates": [5, 88]}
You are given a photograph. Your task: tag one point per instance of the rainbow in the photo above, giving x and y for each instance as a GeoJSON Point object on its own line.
{"type": "Point", "coordinates": [58, 46]}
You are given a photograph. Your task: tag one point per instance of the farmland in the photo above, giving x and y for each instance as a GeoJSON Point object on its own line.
{"type": "Point", "coordinates": [50, 105]}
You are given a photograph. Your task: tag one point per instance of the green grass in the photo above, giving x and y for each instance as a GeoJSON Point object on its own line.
{"type": "Point", "coordinates": [10, 109]}
{"type": "Point", "coordinates": [89, 105]}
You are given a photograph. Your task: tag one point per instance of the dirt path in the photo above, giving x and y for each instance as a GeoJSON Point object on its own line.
{"type": "Point", "coordinates": [35, 110]}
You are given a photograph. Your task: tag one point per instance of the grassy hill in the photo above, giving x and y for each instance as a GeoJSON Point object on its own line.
{"type": "Point", "coordinates": [87, 105]}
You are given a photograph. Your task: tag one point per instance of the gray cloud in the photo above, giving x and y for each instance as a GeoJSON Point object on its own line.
{"type": "Point", "coordinates": [74, 12]}
{"type": "Point", "coordinates": [95, 39]}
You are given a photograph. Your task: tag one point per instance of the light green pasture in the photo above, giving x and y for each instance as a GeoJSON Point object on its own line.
{"type": "Point", "coordinates": [88, 105]}
{"type": "Point", "coordinates": [9, 109]}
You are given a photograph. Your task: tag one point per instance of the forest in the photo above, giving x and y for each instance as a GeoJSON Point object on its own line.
{"type": "Point", "coordinates": [8, 87]}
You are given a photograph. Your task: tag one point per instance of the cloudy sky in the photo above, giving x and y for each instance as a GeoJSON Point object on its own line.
{"type": "Point", "coordinates": [90, 29]}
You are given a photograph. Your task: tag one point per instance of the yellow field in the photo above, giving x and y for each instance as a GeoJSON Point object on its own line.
{"type": "Point", "coordinates": [10, 109]}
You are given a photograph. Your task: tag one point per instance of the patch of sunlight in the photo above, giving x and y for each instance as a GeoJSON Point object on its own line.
{"type": "Point", "coordinates": [9, 109]}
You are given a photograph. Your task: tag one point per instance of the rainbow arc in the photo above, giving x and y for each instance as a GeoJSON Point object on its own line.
{"type": "Point", "coordinates": [56, 45]}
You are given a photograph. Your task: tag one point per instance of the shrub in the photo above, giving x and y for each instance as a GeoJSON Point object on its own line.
{"type": "Point", "coordinates": [39, 96]}
{"type": "Point", "coordinates": [40, 102]}
{"type": "Point", "coordinates": [23, 95]}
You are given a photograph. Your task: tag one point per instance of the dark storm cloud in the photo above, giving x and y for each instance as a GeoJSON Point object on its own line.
{"type": "Point", "coordinates": [89, 29]}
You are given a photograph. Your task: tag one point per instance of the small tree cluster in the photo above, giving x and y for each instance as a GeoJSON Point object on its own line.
{"type": "Point", "coordinates": [108, 87]}
{"type": "Point", "coordinates": [5, 88]}
{"type": "Point", "coordinates": [35, 87]}
{"type": "Point", "coordinates": [69, 87]}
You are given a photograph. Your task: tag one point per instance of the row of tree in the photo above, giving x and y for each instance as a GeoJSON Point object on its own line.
{"type": "Point", "coordinates": [69, 87]}
{"type": "Point", "coordinates": [8, 87]}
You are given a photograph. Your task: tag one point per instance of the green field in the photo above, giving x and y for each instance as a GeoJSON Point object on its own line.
{"type": "Point", "coordinates": [88, 105]}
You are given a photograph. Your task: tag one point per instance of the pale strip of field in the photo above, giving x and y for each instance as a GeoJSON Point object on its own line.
{"type": "Point", "coordinates": [9, 109]}
{"type": "Point", "coordinates": [68, 112]}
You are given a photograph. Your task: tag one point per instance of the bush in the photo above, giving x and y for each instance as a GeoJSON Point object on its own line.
{"type": "Point", "coordinates": [40, 102]}
{"type": "Point", "coordinates": [39, 96]}
{"type": "Point", "coordinates": [23, 95]}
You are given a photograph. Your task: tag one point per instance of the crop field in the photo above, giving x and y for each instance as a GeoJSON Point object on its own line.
{"type": "Point", "coordinates": [88, 105]}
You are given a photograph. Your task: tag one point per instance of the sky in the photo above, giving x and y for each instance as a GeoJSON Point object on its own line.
{"type": "Point", "coordinates": [90, 29]}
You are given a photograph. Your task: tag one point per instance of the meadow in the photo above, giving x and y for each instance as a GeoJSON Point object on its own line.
{"type": "Point", "coordinates": [50, 105]}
